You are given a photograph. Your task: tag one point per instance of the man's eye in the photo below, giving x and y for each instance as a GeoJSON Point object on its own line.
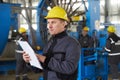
{"type": "Point", "coordinates": [53, 22]}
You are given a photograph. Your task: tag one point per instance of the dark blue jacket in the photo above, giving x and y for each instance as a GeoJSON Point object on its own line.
{"type": "Point", "coordinates": [63, 53]}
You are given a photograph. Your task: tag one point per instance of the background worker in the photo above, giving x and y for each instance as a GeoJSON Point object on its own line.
{"type": "Point", "coordinates": [86, 41]}
{"type": "Point", "coordinates": [61, 54]}
{"type": "Point", "coordinates": [21, 68]}
{"type": "Point", "coordinates": [112, 48]}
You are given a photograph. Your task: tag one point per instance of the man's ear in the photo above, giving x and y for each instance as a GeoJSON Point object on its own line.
{"type": "Point", "coordinates": [66, 23]}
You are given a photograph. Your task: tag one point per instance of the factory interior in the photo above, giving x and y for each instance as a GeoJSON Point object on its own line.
{"type": "Point", "coordinates": [97, 15]}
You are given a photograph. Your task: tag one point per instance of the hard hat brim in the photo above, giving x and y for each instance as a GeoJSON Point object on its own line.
{"type": "Point", "coordinates": [55, 18]}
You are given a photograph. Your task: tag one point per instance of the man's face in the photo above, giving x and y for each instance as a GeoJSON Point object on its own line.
{"type": "Point", "coordinates": [24, 34]}
{"type": "Point", "coordinates": [84, 33]}
{"type": "Point", "coordinates": [109, 33]}
{"type": "Point", "coordinates": [55, 26]}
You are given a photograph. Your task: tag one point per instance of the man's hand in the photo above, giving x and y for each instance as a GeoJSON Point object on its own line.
{"type": "Point", "coordinates": [41, 58]}
{"type": "Point", "coordinates": [26, 57]}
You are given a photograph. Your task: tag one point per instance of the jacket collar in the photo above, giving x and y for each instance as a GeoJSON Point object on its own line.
{"type": "Point", "coordinates": [60, 35]}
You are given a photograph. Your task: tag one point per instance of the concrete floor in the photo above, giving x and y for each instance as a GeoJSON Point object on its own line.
{"type": "Point", "coordinates": [32, 75]}
{"type": "Point", "coordinates": [11, 76]}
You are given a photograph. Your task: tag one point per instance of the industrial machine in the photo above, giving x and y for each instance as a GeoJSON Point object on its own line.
{"type": "Point", "coordinates": [8, 23]}
{"type": "Point", "coordinates": [97, 71]}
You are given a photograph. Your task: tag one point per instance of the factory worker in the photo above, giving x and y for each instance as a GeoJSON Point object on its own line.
{"type": "Point", "coordinates": [111, 48]}
{"type": "Point", "coordinates": [21, 68]}
{"type": "Point", "coordinates": [86, 41]}
{"type": "Point", "coordinates": [61, 54]}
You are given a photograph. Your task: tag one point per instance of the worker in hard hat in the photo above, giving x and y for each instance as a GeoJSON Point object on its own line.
{"type": "Point", "coordinates": [86, 41]}
{"type": "Point", "coordinates": [111, 48]}
{"type": "Point", "coordinates": [61, 54]}
{"type": "Point", "coordinates": [21, 68]}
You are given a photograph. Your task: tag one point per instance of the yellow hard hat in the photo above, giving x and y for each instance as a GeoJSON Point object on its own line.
{"type": "Point", "coordinates": [38, 47]}
{"type": "Point", "coordinates": [86, 28]}
{"type": "Point", "coordinates": [22, 30]}
{"type": "Point", "coordinates": [57, 12]}
{"type": "Point", "coordinates": [111, 29]}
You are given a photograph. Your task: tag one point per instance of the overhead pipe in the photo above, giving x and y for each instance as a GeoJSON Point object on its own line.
{"type": "Point", "coordinates": [107, 19]}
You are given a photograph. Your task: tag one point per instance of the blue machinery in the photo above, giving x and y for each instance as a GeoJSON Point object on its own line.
{"type": "Point", "coordinates": [86, 72]}
{"type": "Point", "coordinates": [97, 71]}
{"type": "Point", "coordinates": [8, 21]}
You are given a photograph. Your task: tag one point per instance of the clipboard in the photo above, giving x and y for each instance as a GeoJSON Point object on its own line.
{"type": "Point", "coordinates": [27, 48]}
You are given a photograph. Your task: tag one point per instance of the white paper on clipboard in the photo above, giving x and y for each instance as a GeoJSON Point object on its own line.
{"type": "Point", "coordinates": [27, 48]}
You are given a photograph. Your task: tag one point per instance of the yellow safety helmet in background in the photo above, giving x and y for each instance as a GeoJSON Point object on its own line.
{"type": "Point", "coordinates": [57, 12]}
{"type": "Point", "coordinates": [22, 30]}
{"type": "Point", "coordinates": [38, 47]}
{"type": "Point", "coordinates": [86, 28]}
{"type": "Point", "coordinates": [111, 29]}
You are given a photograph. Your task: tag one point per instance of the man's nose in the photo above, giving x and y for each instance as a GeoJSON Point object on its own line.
{"type": "Point", "coordinates": [49, 25]}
